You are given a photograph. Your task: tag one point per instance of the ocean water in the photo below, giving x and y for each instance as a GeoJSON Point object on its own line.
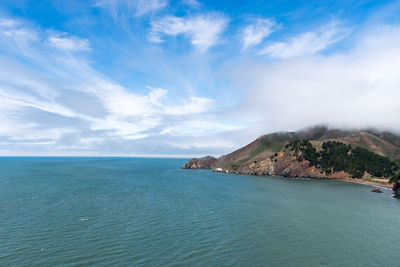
{"type": "Point", "coordinates": [149, 212]}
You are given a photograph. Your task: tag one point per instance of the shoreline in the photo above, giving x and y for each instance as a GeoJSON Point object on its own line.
{"type": "Point", "coordinates": [373, 184]}
{"type": "Point", "coordinates": [356, 181]}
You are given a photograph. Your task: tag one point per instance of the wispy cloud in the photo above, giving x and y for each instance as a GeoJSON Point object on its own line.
{"type": "Point", "coordinates": [255, 33]}
{"type": "Point", "coordinates": [79, 101]}
{"type": "Point", "coordinates": [90, 85]}
{"type": "Point", "coordinates": [191, 3]}
{"type": "Point", "coordinates": [146, 6]}
{"type": "Point", "coordinates": [308, 43]}
{"type": "Point", "coordinates": [202, 30]}
{"type": "Point", "coordinates": [193, 105]}
{"type": "Point", "coordinates": [135, 7]}
{"type": "Point", "coordinates": [64, 42]}
{"type": "Point", "coordinates": [15, 31]}
{"type": "Point", "coordinates": [197, 128]}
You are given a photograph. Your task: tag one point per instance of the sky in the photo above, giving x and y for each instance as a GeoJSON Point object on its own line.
{"type": "Point", "coordinates": [186, 78]}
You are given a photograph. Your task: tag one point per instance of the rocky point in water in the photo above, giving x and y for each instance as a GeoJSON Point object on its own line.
{"type": "Point", "coordinates": [201, 163]}
{"type": "Point", "coordinates": [376, 190]}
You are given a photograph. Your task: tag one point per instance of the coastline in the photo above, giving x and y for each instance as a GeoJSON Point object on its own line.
{"type": "Point", "coordinates": [356, 181]}
{"type": "Point", "coordinates": [373, 184]}
{"type": "Point", "coordinates": [351, 180]}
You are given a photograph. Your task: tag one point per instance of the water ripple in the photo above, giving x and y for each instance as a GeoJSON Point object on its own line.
{"type": "Point", "coordinates": [148, 212]}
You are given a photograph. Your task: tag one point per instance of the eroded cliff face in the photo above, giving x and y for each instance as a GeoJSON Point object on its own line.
{"type": "Point", "coordinates": [201, 163]}
{"type": "Point", "coordinates": [286, 164]}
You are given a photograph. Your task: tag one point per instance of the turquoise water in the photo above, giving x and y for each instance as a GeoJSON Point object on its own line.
{"type": "Point", "coordinates": [149, 212]}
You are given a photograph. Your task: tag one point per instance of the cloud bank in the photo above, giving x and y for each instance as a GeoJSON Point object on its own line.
{"type": "Point", "coordinates": [357, 88]}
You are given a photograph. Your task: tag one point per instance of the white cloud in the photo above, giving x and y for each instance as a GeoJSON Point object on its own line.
{"type": "Point", "coordinates": [135, 7]}
{"type": "Point", "coordinates": [7, 23]}
{"type": "Point", "coordinates": [53, 102]}
{"type": "Point", "coordinates": [130, 115]}
{"type": "Point", "coordinates": [24, 41]}
{"type": "Point", "coordinates": [16, 130]}
{"type": "Point", "coordinates": [127, 116]}
{"type": "Point", "coordinates": [355, 88]}
{"type": "Point", "coordinates": [205, 143]}
{"type": "Point", "coordinates": [124, 115]}
{"type": "Point", "coordinates": [193, 105]}
{"type": "Point", "coordinates": [203, 30]}
{"type": "Point", "coordinates": [156, 95]}
{"type": "Point", "coordinates": [146, 6]}
{"type": "Point", "coordinates": [14, 30]}
{"type": "Point", "coordinates": [64, 42]}
{"type": "Point", "coordinates": [308, 43]}
{"type": "Point", "coordinates": [198, 127]}
{"type": "Point", "coordinates": [255, 33]}
{"type": "Point", "coordinates": [58, 102]}
{"type": "Point", "coordinates": [191, 3]}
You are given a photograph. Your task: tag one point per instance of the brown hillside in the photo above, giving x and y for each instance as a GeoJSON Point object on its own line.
{"type": "Point", "coordinates": [266, 146]}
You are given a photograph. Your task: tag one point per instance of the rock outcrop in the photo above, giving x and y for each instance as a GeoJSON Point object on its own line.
{"type": "Point", "coordinates": [376, 190]}
{"type": "Point", "coordinates": [201, 163]}
{"type": "Point", "coordinates": [396, 189]}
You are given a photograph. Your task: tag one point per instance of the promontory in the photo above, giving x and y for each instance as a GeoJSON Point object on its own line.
{"type": "Point", "coordinates": [365, 156]}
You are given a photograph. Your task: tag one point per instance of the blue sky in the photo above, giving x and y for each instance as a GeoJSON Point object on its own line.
{"type": "Point", "coordinates": [184, 78]}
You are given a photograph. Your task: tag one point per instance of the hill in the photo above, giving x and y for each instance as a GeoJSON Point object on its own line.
{"type": "Point", "coordinates": [369, 155]}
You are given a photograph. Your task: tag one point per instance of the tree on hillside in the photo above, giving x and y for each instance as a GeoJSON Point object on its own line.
{"type": "Point", "coordinates": [336, 156]}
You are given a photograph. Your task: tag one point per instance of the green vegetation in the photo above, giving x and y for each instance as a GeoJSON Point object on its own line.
{"type": "Point", "coordinates": [271, 143]}
{"type": "Point", "coordinates": [395, 178]}
{"type": "Point", "coordinates": [337, 156]}
{"type": "Point", "coordinates": [265, 144]}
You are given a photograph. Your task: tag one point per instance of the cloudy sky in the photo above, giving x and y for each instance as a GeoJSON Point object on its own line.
{"type": "Point", "coordinates": [190, 77]}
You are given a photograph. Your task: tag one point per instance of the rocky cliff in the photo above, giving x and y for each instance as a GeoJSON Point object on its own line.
{"type": "Point", "coordinates": [201, 163]}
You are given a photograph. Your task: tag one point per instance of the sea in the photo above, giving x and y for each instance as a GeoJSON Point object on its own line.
{"type": "Point", "coordinates": [149, 212]}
